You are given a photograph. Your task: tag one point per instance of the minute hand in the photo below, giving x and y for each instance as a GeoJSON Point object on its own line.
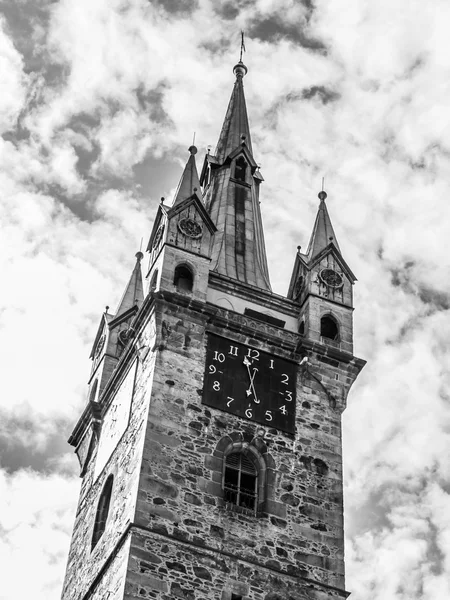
{"type": "Point", "coordinates": [251, 389]}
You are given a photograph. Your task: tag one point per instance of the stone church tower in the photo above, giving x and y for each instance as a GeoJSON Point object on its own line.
{"type": "Point", "coordinates": [210, 446]}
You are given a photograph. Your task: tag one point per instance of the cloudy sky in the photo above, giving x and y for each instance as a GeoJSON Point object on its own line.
{"type": "Point", "coordinates": [99, 100]}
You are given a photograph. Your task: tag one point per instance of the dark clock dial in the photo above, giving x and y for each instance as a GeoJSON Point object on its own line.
{"type": "Point", "coordinates": [250, 383]}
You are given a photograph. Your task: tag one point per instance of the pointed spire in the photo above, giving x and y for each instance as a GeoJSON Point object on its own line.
{"type": "Point", "coordinates": [232, 198]}
{"type": "Point", "coordinates": [323, 232]}
{"type": "Point", "coordinates": [189, 182]}
{"type": "Point", "coordinates": [235, 129]}
{"type": "Point", "coordinates": [134, 292]}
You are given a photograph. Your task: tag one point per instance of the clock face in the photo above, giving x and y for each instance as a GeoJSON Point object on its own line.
{"type": "Point", "coordinates": [250, 383]}
{"type": "Point", "coordinates": [331, 277]}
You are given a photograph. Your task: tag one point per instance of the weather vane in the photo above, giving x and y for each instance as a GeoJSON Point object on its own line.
{"type": "Point", "coordinates": [242, 46]}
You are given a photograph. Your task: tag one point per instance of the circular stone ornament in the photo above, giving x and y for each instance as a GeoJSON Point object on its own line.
{"type": "Point", "coordinates": [190, 228]}
{"type": "Point", "coordinates": [331, 278]}
{"type": "Point", "coordinates": [124, 336]}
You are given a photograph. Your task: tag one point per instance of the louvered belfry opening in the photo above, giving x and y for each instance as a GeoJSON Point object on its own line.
{"type": "Point", "coordinates": [240, 481]}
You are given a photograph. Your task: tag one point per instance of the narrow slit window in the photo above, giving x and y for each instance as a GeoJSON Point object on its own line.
{"type": "Point", "coordinates": [102, 511]}
{"type": "Point", "coordinates": [154, 281]}
{"type": "Point", "coordinates": [240, 481]}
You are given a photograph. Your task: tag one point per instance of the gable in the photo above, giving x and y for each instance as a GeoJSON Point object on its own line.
{"type": "Point", "coordinates": [189, 227]}
{"type": "Point", "coordinates": [331, 249]}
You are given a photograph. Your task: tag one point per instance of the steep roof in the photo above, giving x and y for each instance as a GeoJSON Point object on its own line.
{"type": "Point", "coordinates": [134, 292]}
{"type": "Point", "coordinates": [189, 182]}
{"type": "Point", "coordinates": [232, 199]}
{"type": "Point", "coordinates": [235, 127]}
{"type": "Point", "coordinates": [323, 232]}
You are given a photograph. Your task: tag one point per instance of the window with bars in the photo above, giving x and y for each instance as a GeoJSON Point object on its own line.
{"type": "Point", "coordinates": [240, 481]}
{"type": "Point", "coordinates": [102, 511]}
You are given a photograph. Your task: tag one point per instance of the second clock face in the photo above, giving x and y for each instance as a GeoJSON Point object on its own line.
{"type": "Point", "coordinates": [250, 383]}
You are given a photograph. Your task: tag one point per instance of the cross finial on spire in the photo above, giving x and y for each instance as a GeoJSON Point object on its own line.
{"type": "Point", "coordinates": [240, 70]}
{"type": "Point", "coordinates": [242, 46]}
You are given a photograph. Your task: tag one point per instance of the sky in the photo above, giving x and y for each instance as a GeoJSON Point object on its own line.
{"type": "Point", "coordinates": [99, 102]}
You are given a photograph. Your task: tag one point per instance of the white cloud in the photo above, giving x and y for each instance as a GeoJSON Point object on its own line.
{"type": "Point", "coordinates": [13, 78]}
{"type": "Point", "coordinates": [136, 81]}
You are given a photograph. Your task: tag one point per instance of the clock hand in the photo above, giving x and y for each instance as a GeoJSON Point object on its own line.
{"type": "Point", "coordinates": [252, 386]}
{"type": "Point", "coordinates": [251, 389]}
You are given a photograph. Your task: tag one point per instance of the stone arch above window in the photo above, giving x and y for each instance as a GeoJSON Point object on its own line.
{"type": "Point", "coordinates": [101, 516]}
{"type": "Point", "coordinates": [240, 168]}
{"type": "Point", "coordinates": [329, 328]}
{"type": "Point", "coordinates": [247, 473]}
{"type": "Point", "coordinates": [183, 278]}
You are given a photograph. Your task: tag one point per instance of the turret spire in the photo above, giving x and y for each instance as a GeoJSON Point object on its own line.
{"type": "Point", "coordinates": [323, 232]}
{"type": "Point", "coordinates": [189, 182]}
{"type": "Point", "coordinates": [134, 292]}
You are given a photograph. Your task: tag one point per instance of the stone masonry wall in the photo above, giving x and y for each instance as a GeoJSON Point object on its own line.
{"type": "Point", "coordinates": [83, 564]}
{"type": "Point", "coordinates": [180, 491]}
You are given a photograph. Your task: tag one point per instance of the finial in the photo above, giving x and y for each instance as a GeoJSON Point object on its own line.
{"type": "Point", "coordinates": [243, 138]}
{"type": "Point", "coordinates": [299, 248]}
{"type": "Point", "coordinates": [162, 200]}
{"type": "Point", "coordinates": [192, 149]}
{"type": "Point", "coordinates": [240, 70]}
{"type": "Point", "coordinates": [208, 149]}
{"type": "Point", "coordinates": [322, 195]}
{"type": "Point", "coordinates": [106, 309]}
{"type": "Point", "coordinates": [242, 46]}
{"type": "Point", "coordinates": [195, 189]}
{"type": "Point", "coordinates": [139, 256]}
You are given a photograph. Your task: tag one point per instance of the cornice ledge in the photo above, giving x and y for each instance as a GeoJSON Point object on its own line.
{"type": "Point", "coordinates": [256, 295]}
{"type": "Point", "coordinates": [336, 354]}
{"type": "Point", "coordinates": [224, 319]}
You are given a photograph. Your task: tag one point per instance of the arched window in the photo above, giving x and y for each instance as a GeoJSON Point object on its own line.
{"type": "Point", "coordinates": [239, 169]}
{"type": "Point", "coordinates": [102, 511]}
{"type": "Point", "coordinates": [183, 278]}
{"type": "Point", "coordinates": [301, 329]}
{"type": "Point", "coordinates": [329, 328]}
{"type": "Point", "coordinates": [240, 482]}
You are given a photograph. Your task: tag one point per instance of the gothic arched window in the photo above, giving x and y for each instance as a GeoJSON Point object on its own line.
{"type": "Point", "coordinates": [183, 278]}
{"type": "Point", "coordinates": [240, 481]}
{"type": "Point", "coordinates": [329, 328]}
{"type": "Point", "coordinates": [101, 515]}
{"type": "Point", "coordinates": [240, 168]}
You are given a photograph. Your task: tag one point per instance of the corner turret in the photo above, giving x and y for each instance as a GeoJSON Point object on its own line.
{"type": "Point", "coordinates": [321, 284]}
